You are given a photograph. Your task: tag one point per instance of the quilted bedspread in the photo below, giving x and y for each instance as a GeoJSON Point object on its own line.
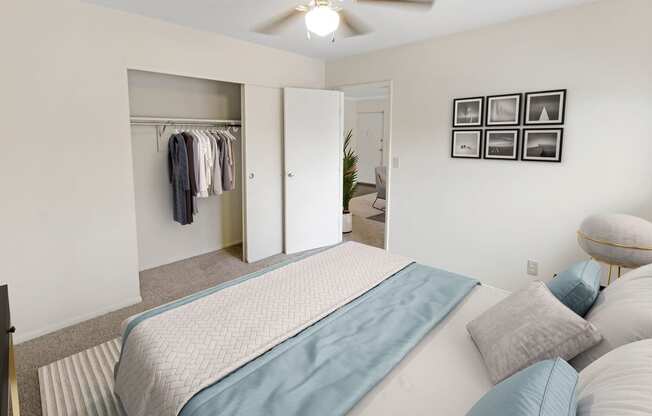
{"type": "Point", "coordinates": [173, 353]}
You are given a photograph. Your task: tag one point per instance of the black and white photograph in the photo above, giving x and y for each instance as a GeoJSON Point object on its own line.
{"type": "Point", "coordinates": [466, 144]}
{"type": "Point", "coordinates": [467, 112]}
{"type": "Point", "coordinates": [504, 110]}
{"type": "Point", "coordinates": [542, 145]}
{"type": "Point", "coordinates": [501, 144]}
{"type": "Point", "coordinates": [545, 107]}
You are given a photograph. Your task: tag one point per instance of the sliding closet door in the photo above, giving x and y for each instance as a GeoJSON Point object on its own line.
{"type": "Point", "coordinates": [262, 118]}
{"type": "Point", "coordinates": [313, 168]}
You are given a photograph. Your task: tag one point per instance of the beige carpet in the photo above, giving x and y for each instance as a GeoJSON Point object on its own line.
{"type": "Point", "coordinates": [361, 206]}
{"type": "Point", "coordinates": [366, 231]}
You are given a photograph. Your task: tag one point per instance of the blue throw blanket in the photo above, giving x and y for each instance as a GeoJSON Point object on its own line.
{"type": "Point", "coordinates": [327, 368]}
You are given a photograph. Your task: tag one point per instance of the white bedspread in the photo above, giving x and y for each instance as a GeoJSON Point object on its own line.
{"type": "Point", "coordinates": [170, 357]}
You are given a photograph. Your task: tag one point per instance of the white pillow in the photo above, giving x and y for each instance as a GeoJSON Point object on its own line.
{"type": "Point", "coordinates": [622, 313]}
{"type": "Point", "coordinates": [618, 384]}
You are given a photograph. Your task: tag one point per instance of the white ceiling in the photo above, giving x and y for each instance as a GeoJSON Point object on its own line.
{"type": "Point", "coordinates": [392, 26]}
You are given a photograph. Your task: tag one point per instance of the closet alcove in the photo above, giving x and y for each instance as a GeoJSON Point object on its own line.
{"type": "Point", "coordinates": [219, 221]}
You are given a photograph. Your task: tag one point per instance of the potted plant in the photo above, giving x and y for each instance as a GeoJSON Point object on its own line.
{"type": "Point", "coordinates": [350, 179]}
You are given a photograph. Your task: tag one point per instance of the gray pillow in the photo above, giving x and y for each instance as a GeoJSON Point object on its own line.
{"type": "Point", "coordinates": [526, 327]}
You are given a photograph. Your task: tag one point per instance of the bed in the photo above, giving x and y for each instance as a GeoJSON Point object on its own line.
{"type": "Point", "coordinates": [352, 330]}
{"type": "Point", "coordinates": [444, 374]}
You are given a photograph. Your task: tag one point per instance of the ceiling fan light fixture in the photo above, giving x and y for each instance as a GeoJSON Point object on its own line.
{"type": "Point", "coordinates": [322, 20]}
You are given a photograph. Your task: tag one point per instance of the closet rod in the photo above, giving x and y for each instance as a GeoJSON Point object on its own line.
{"type": "Point", "coordinates": [161, 123]}
{"type": "Point", "coordinates": [164, 121]}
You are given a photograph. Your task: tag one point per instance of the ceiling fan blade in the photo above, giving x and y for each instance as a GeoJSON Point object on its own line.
{"type": "Point", "coordinates": [351, 25]}
{"type": "Point", "coordinates": [278, 23]}
{"type": "Point", "coordinates": [412, 4]}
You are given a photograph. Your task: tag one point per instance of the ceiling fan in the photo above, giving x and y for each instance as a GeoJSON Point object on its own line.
{"type": "Point", "coordinates": [324, 17]}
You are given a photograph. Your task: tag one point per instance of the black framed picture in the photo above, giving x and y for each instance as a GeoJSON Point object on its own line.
{"type": "Point", "coordinates": [542, 145]}
{"type": "Point", "coordinates": [504, 110]}
{"type": "Point", "coordinates": [467, 112]}
{"type": "Point", "coordinates": [466, 144]}
{"type": "Point", "coordinates": [545, 107]}
{"type": "Point", "coordinates": [501, 144]}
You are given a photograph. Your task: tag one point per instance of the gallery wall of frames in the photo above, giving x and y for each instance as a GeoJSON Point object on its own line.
{"type": "Point", "coordinates": [519, 126]}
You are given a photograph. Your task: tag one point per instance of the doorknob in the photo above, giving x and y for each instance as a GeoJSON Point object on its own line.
{"type": "Point", "coordinates": [290, 174]}
{"type": "Point", "coordinates": [251, 175]}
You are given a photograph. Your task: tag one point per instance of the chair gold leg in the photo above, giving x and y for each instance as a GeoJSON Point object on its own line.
{"type": "Point", "coordinates": [619, 272]}
{"type": "Point", "coordinates": [13, 383]}
{"type": "Point", "coordinates": [609, 281]}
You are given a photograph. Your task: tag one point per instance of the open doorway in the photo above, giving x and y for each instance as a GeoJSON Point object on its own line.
{"type": "Point", "coordinates": [367, 120]}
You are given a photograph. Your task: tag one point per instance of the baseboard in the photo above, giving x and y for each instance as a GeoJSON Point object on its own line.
{"type": "Point", "coordinates": [26, 336]}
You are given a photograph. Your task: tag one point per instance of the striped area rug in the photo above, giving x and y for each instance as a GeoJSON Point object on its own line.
{"type": "Point", "coordinates": [82, 384]}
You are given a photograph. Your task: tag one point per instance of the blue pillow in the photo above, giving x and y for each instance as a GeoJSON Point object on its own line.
{"type": "Point", "coordinates": [578, 287]}
{"type": "Point", "coordinates": [546, 388]}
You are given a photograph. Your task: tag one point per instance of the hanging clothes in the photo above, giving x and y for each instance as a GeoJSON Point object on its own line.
{"type": "Point", "coordinates": [179, 178]}
{"type": "Point", "coordinates": [227, 162]}
{"type": "Point", "coordinates": [216, 188]}
{"type": "Point", "coordinates": [195, 147]}
{"type": "Point", "coordinates": [201, 160]}
{"type": "Point", "coordinates": [191, 170]}
{"type": "Point", "coordinates": [209, 161]}
{"type": "Point", "coordinates": [201, 163]}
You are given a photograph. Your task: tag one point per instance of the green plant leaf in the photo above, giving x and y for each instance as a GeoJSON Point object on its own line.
{"type": "Point", "coordinates": [350, 171]}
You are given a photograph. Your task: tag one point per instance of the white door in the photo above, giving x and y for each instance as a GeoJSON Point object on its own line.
{"type": "Point", "coordinates": [313, 168]}
{"type": "Point", "coordinates": [262, 120]}
{"type": "Point", "coordinates": [369, 144]}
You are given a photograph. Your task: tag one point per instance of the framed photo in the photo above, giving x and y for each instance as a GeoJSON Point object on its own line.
{"type": "Point", "coordinates": [504, 110]}
{"type": "Point", "coordinates": [467, 112]}
{"type": "Point", "coordinates": [466, 144]}
{"type": "Point", "coordinates": [542, 145]}
{"type": "Point", "coordinates": [501, 144]}
{"type": "Point", "coordinates": [545, 107]}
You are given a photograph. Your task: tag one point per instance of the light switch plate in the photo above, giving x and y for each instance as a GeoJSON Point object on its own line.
{"type": "Point", "coordinates": [395, 163]}
{"type": "Point", "coordinates": [532, 268]}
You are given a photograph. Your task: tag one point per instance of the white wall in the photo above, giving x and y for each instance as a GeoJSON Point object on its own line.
{"type": "Point", "coordinates": [69, 246]}
{"type": "Point", "coordinates": [218, 223]}
{"type": "Point", "coordinates": [486, 218]}
{"type": "Point", "coordinates": [350, 118]}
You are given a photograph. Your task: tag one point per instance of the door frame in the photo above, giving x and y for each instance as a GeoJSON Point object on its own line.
{"type": "Point", "coordinates": [387, 143]}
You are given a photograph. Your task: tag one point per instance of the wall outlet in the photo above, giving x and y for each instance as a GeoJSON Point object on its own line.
{"type": "Point", "coordinates": [395, 162]}
{"type": "Point", "coordinates": [532, 268]}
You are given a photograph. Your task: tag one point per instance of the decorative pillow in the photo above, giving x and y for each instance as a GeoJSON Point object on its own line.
{"type": "Point", "coordinates": [578, 287]}
{"type": "Point", "coordinates": [622, 314]}
{"type": "Point", "coordinates": [526, 327]}
{"type": "Point", "coordinates": [613, 238]}
{"type": "Point", "coordinates": [619, 383]}
{"type": "Point", "coordinates": [546, 388]}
